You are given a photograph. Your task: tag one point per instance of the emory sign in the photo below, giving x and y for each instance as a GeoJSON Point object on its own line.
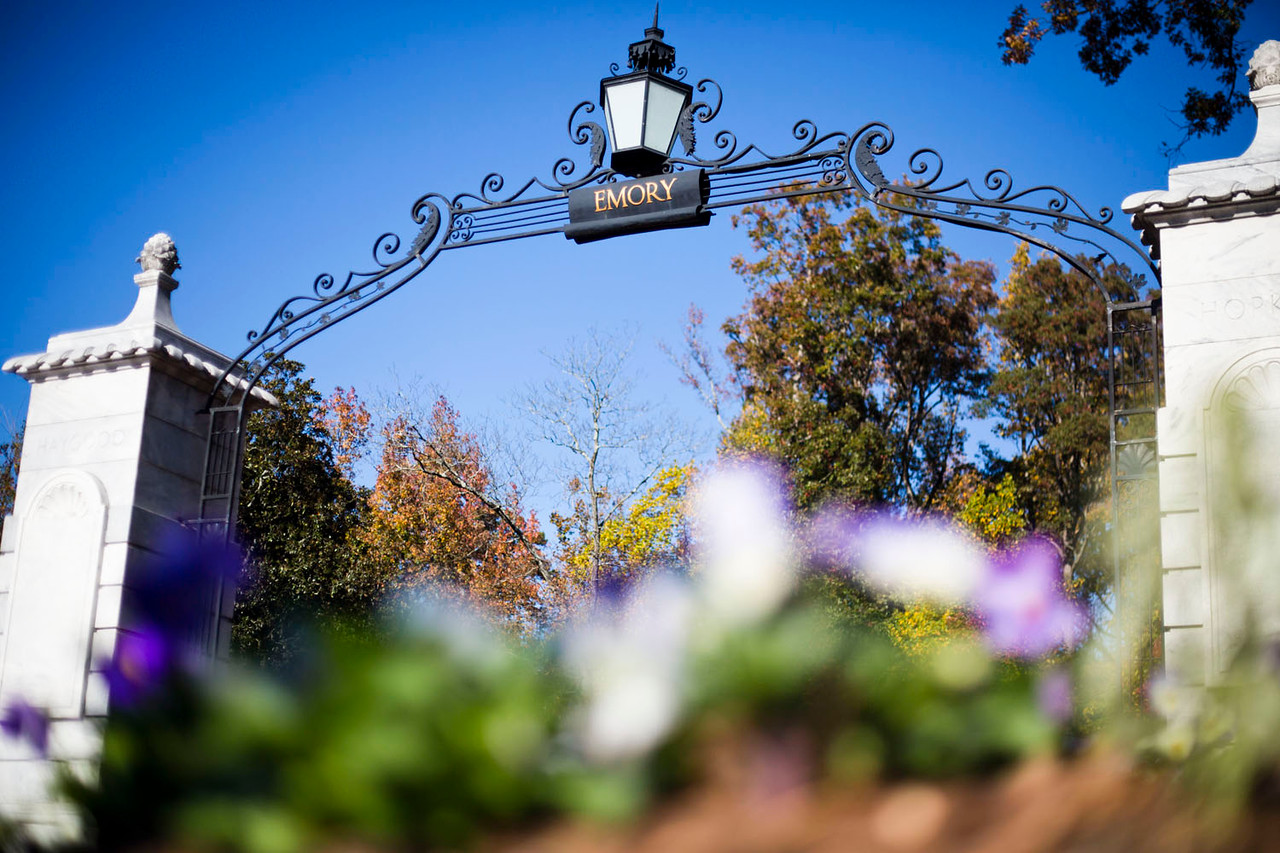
{"type": "Point", "coordinates": [675, 200]}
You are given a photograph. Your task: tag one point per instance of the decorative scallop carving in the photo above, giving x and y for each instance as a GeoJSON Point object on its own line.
{"type": "Point", "coordinates": [1256, 388]}
{"type": "Point", "coordinates": [1136, 460]}
{"type": "Point", "coordinates": [64, 500]}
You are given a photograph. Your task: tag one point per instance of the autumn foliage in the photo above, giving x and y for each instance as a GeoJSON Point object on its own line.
{"type": "Point", "coordinates": [437, 517]}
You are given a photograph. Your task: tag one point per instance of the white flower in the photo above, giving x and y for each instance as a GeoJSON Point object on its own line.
{"type": "Point", "coordinates": [746, 568]}
{"type": "Point", "coordinates": [630, 663]}
{"type": "Point", "coordinates": [1177, 740]}
{"type": "Point", "coordinates": [926, 558]}
{"type": "Point", "coordinates": [1173, 701]}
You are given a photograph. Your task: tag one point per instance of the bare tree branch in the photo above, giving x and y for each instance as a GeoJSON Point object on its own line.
{"type": "Point", "coordinates": [615, 444]}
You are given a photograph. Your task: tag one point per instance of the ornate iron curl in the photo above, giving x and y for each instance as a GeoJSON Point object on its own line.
{"type": "Point", "coordinates": [739, 174]}
{"type": "Point", "coordinates": [994, 205]}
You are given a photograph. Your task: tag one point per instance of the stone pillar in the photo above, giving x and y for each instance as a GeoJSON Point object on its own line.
{"type": "Point", "coordinates": [1216, 231]}
{"type": "Point", "coordinates": [111, 465]}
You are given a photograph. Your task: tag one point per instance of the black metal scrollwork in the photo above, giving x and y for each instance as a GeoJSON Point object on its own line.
{"type": "Point", "coordinates": [1045, 215]}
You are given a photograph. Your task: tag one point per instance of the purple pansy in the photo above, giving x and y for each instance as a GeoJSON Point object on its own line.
{"type": "Point", "coordinates": [173, 592]}
{"type": "Point", "coordinates": [23, 721]}
{"type": "Point", "coordinates": [1022, 606]}
{"type": "Point", "coordinates": [141, 662]}
{"type": "Point", "coordinates": [1053, 695]}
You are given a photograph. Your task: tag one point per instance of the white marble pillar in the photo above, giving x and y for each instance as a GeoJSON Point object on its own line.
{"type": "Point", "coordinates": [111, 463]}
{"type": "Point", "coordinates": [1217, 233]}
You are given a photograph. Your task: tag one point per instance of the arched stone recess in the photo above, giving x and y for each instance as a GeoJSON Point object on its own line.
{"type": "Point", "coordinates": [1241, 483]}
{"type": "Point", "coordinates": [53, 594]}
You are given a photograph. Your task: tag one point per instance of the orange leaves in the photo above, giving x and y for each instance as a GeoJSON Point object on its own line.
{"type": "Point", "coordinates": [436, 516]}
{"type": "Point", "coordinates": [347, 421]}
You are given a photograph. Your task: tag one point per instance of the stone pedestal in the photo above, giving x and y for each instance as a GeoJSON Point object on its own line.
{"type": "Point", "coordinates": [111, 465]}
{"type": "Point", "coordinates": [1217, 233]}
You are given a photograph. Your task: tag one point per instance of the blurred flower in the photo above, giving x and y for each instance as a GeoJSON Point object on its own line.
{"type": "Point", "coordinates": [1177, 740]}
{"type": "Point", "coordinates": [436, 612]}
{"type": "Point", "coordinates": [1021, 605]}
{"type": "Point", "coordinates": [174, 591]}
{"type": "Point", "coordinates": [1172, 700]}
{"type": "Point", "coordinates": [1053, 695]}
{"type": "Point", "coordinates": [23, 721]}
{"type": "Point", "coordinates": [630, 661]}
{"type": "Point", "coordinates": [1217, 725]}
{"type": "Point", "coordinates": [141, 662]}
{"type": "Point", "coordinates": [746, 568]}
{"type": "Point", "coordinates": [907, 558]}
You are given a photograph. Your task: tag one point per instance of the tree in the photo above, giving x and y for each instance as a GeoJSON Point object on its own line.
{"type": "Point", "coordinates": [1050, 391]}
{"type": "Point", "coordinates": [10, 455]}
{"type": "Point", "coordinates": [615, 445]}
{"type": "Point", "coordinates": [298, 513]}
{"type": "Point", "coordinates": [1116, 32]}
{"type": "Point", "coordinates": [699, 370]}
{"type": "Point", "coordinates": [652, 532]}
{"type": "Point", "coordinates": [860, 349]}
{"type": "Point", "coordinates": [438, 515]}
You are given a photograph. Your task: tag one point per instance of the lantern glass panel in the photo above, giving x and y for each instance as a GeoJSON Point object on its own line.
{"type": "Point", "coordinates": [663, 109]}
{"type": "Point", "coordinates": [624, 108]}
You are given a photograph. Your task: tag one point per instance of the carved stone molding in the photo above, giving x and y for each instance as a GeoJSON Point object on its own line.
{"type": "Point", "coordinates": [1257, 387]}
{"type": "Point", "coordinates": [65, 499]}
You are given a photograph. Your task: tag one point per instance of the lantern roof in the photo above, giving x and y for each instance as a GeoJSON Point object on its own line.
{"type": "Point", "coordinates": [651, 53]}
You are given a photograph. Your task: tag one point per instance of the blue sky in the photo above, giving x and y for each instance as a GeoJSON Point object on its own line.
{"type": "Point", "coordinates": [276, 141]}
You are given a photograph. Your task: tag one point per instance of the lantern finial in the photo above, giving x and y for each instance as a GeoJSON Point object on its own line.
{"type": "Point", "coordinates": [652, 53]}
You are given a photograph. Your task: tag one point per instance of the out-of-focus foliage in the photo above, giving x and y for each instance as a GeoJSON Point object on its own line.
{"type": "Point", "coordinates": [419, 740]}
{"type": "Point", "coordinates": [298, 516]}
{"type": "Point", "coordinates": [438, 730]}
{"type": "Point", "coordinates": [859, 351]}
{"type": "Point", "coordinates": [1114, 33]}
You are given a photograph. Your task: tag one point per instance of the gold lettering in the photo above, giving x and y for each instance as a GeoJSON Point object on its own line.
{"type": "Point", "coordinates": [651, 191]}
{"type": "Point", "coordinates": [634, 201]}
{"type": "Point", "coordinates": [615, 201]}
{"type": "Point", "coordinates": [667, 184]}
{"type": "Point", "coordinates": [599, 199]}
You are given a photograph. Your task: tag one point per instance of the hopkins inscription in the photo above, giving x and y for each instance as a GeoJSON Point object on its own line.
{"type": "Point", "coordinates": [676, 200]}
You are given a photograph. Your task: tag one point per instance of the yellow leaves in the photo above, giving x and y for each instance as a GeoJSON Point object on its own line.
{"type": "Point", "coordinates": [921, 628]}
{"type": "Point", "coordinates": [994, 513]}
{"type": "Point", "coordinates": [652, 529]}
{"type": "Point", "coordinates": [651, 532]}
{"type": "Point", "coordinates": [751, 433]}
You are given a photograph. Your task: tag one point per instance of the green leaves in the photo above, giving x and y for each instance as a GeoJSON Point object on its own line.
{"type": "Point", "coordinates": [859, 350]}
{"type": "Point", "coordinates": [1114, 33]}
{"type": "Point", "coordinates": [298, 512]}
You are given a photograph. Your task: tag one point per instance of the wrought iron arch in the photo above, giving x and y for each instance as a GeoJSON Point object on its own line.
{"type": "Point", "coordinates": [1045, 216]}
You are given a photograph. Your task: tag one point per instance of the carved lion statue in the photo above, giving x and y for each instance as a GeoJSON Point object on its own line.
{"type": "Point", "coordinates": [1264, 67]}
{"type": "Point", "coordinates": [159, 253]}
